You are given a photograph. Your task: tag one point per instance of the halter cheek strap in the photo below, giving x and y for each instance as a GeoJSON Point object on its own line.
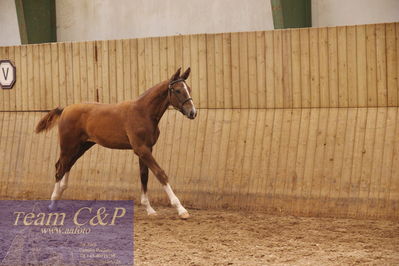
{"type": "Point", "coordinates": [172, 90]}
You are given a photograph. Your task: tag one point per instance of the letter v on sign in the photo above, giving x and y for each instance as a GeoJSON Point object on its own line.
{"type": "Point", "coordinates": [7, 74]}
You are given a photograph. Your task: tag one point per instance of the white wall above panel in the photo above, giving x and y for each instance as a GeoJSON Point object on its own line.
{"type": "Point", "coordinates": [110, 19]}
{"type": "Point", "coordinates": [350, 12]}
{"type": "Point", "coordinates": [9, 29]}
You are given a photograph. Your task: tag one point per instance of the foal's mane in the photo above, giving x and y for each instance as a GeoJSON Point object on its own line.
{"type": "Point", "coordinates": [154, 89]}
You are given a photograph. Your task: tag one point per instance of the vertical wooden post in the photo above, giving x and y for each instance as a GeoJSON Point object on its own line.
{"type": "Point", "coordinates": [291, 13]}
{"type": "Point", "coordinates": [36, 20]}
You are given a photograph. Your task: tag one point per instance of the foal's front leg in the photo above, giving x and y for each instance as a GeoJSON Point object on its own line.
{"type": "Point", "coordinates": [145, 156]}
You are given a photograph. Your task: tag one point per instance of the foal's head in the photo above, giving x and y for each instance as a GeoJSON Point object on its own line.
{"type": "Point", "coordinates": [179, 94]}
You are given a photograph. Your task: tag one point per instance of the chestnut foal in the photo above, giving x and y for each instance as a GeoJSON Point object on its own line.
{"type": "Point", "coordinates": [126, 125]}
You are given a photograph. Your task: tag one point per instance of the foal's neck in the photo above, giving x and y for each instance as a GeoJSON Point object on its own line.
{"type": "Point", "coordinates": [156, 101]}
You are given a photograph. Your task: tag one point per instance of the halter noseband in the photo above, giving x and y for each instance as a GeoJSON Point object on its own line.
{"type": "Point", "coordinates": [172, 90]}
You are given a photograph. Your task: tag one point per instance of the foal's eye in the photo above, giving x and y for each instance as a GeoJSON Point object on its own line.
{"type": "Point", "coordinates": [177, 91]}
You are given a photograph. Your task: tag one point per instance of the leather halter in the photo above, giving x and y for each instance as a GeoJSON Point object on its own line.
{"type": "Point", "coordinates": [172, 90]}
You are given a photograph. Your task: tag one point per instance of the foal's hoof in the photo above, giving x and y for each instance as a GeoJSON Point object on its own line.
{"type": "Point", "coordinates": [184, 216]}
{"type": "Point", "coordinates": [52, 206]}
{"type": "Point", "coordinates": [152, 214]}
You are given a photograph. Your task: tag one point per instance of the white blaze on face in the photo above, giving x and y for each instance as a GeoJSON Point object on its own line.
{"type": "Point", "coordinates": [185, 87]}
{"type": "Point", "coordinates": [189, 96]}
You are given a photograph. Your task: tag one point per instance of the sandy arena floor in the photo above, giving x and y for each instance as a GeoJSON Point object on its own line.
{"type": "Point", "coordinates": [248, 238]}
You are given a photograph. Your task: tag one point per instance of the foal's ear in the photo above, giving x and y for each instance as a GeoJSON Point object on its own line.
{"type": "Point", "coordinates": [186, 73]}
{"type": "Point", "coordinates": [176, 75]}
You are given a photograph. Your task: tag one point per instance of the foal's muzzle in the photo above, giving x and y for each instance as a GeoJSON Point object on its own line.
{"type": "Point", "coordinates": [192, 114]}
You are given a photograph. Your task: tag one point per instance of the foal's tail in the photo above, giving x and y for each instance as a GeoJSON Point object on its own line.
{"type": "Point", "coordinates": [49, 120]}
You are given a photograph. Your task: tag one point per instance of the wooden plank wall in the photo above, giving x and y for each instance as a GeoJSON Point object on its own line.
{"type": "Point", "coordinates": [300, 121]}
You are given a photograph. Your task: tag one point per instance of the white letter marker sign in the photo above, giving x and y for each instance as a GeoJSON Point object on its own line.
{"type": "Point", "coordinates": [7, 74]}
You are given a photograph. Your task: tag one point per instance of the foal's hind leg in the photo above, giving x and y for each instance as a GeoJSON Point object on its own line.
{"type": "Point", "coordinates": [144, 181]}
{"type": "Point", "coordinates": [59, 188]}
{"type": "Point", "coordinates": [63, 166]}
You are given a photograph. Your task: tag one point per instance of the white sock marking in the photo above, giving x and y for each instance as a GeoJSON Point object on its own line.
{"type": "Point", "coordinates": [146, 203]}
{"type": "Point", "coordinates": [174, 200]}
{"type": "Point", "coordinates": [60, 187]}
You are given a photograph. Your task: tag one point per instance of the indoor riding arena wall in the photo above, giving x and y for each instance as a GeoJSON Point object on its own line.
{"type": "Point", "coordinates": [299, 121]}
